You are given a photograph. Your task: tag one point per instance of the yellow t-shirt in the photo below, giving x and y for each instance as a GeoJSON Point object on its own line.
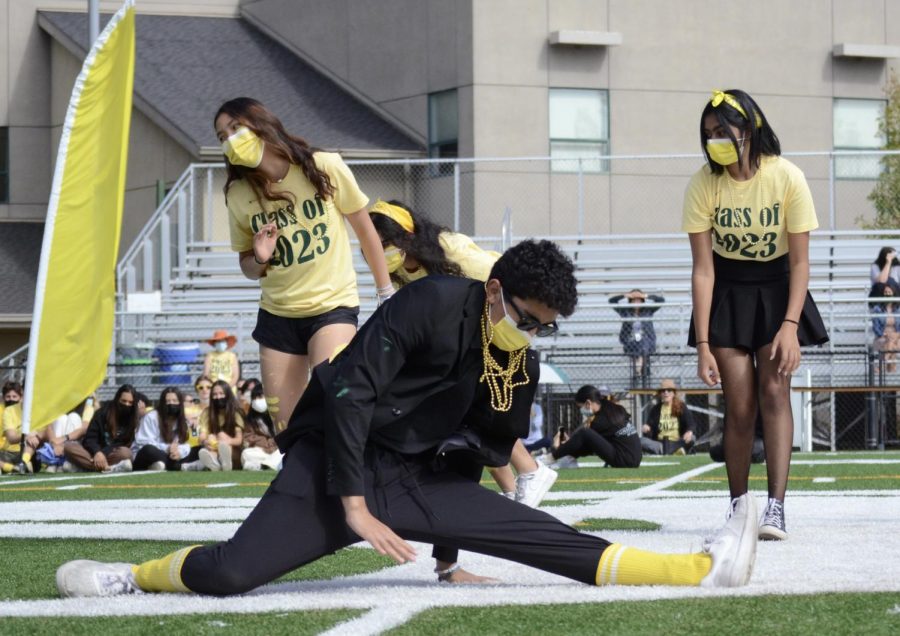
{"type": "Point", "coordinates": [220, 365]}
{"type": "Point", "coordinates": [475, 262]}
{"type": "Point", "coordinates": [204, 421]}
{"type": "Point", "coordinates": [313, 268]}
{"type": "Point", "coordinates": [12, 421]}
{"type": "Point", "coordinates": [668, 424]}
{"type": "Point", "coordinates": [750, 219]}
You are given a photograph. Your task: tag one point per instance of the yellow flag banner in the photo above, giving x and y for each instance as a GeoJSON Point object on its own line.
{"type": "Point", "coordinates": [74, 302]}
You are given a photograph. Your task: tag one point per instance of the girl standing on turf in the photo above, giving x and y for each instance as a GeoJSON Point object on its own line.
{"type": "Point", "coordinates": [748, 214]}
{"type": "Point", "coordinates": [287, 203]}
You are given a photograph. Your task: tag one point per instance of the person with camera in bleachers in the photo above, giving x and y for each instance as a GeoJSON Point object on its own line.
{"type": "Point", "coordinates": [885, 325]}
{"type": "Point", "coordinates": [637, 334]}
{"type": "Point", "coordinates": [885, 271]}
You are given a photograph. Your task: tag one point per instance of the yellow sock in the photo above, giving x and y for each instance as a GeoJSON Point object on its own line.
{"type": "Point", "coordinates": [163, 575]}
{"type": "Point", "coordinates": [26, 457]}
{"type": "Point", "coordinates": [620, 565]}
{"type": "Point", "coordinates": [6, 467]}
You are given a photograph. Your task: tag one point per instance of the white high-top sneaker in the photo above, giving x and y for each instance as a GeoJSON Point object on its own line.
{"type": "Point", "coordinates": [733, 549]}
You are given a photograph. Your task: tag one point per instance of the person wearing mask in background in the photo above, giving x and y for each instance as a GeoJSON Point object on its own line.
{"type": "Point", "coordinates": [161, 442]}
{"type": "Point", "coordinates": [245, 394]}
{"type": "Point", "coordinates": [260, 450]}
{"type": "Point", "coordinates": [607, 432]}
{"type": "Point", "coordinates": [221, 363]}
{"type": "Point", "coordinates": [10, 444]}
{"type": "Point", "coordinates": [221, 431]}
{"type": "Point", "coordinates": [106, 445]}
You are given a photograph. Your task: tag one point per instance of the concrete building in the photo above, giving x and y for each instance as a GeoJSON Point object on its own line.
{"type": "Point", "coordinates": [568, 80]}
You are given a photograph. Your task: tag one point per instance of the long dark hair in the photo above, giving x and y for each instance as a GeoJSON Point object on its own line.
{"type": "Point", "coordinates": [112, 414]}
{"type": "Point", "coordinates": [260, 422]}
{"type": "Point", "coordinates": [882, 257]}
{"type": "Point", "coordinates": [228, 414]}
{"type": "Point", "coordinates": [589, 392]}
{"type": "Point", "coordinates": [763, 140]}
{"type": "Point", "coordinates": [423, 244]}
{"type": "Point", "coordinates": [269, 128]}
{"type": "Point", "coordinates": [181, 427]}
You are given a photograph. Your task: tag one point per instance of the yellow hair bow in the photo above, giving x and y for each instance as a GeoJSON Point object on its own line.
{"type": "Point", "coordinates": [394, 212]}
{"type": "Point", "coordinates": [718, 97]}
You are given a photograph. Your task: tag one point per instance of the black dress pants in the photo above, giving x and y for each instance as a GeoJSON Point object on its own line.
{"type": "Point", "coordinates": [296, 522]}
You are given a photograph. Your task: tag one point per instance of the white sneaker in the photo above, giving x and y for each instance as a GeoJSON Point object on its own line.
{"type": "Point", "coordinates": [123, 466]}
{"type": "Point", "coordinates": [511, 494]}
{"type": "Point", "coordinates": [50, 468]}
{"type": "Point", "coordinates": [209, 461]}
{"type": "Point", "coordinates": [194, 465]}
{"type": "Point", "coordinates": [157, 466]}
{"type": "Point", "coordinates": [733, 549]}
{"type": "Point", "coordinates": [69, 467]}
{"type": "Point", "coordinates": [252, 466]}
{"type": "Point", "coordinates": [225, 456]}
{"type": "Point", "coordinates": [531, 487]}
{"type": "Point", "coordinates": [566, 461]}
{"type": "Point", "coordinates": [92, 578]}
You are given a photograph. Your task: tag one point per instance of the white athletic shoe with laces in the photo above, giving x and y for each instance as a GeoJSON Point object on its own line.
{"type": "Point", "coordinates": [209, 461]}
{"type": "Point", "coordinates": [93, 578]}
{"type": "Point", "coordinates": [531, 487]}
{"type": "Point", "coordinates": [733, 548]}
{"type": "Point", "coordinates": [123, 466]}
{"type": "Point", "coordinates": [194, 465]}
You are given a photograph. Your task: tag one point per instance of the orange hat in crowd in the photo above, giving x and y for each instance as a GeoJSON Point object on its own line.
{"type": "Point", "coordinates": [222, 334]}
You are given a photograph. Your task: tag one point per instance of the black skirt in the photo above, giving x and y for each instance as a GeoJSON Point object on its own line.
{"type": "Point", "coordinates": [749, 303]}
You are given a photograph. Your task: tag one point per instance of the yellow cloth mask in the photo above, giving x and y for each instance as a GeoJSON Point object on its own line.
{"type": "Point", "coordinates": [505, 335]}
{"type": "Point", "coordinates": [244, 148]}
{"type": "Point", "coordinates": [393, 258]}
{"type": "Point", "coordinates": [722, 151]}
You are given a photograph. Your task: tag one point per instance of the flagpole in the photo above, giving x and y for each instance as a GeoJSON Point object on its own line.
{"type": "Point", "coordinates": [93, 22]}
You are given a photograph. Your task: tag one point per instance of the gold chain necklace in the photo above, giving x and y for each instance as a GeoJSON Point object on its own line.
{"type": "Point", "coordinates": [499, 380]}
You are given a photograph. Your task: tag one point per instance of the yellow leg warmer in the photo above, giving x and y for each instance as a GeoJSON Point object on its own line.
{"type": "Point", "coordinates": [163, 575]}
{"type": "Point", "coordinates": [620, 565]}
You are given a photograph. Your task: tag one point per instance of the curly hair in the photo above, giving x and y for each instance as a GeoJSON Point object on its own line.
{"type": "Point", "coordinates": [423, 244]}
{"type": "Point", "coordinates": [255, 116]}
{"type": "Point", "coordinates": [538, 270]}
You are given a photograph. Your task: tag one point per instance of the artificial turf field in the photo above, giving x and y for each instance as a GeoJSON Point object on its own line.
{"type": "Point", "coordinates": [839, 571]}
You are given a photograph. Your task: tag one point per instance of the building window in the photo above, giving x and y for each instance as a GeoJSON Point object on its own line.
{"type": "Point", "coordinates": [856, 128]}
{"type": "Point", "coordinates": [4, 164]}
{"type": "Point", "coordinates": [579, 130]}
{"type": "Point", "coordinates": [443, 128]}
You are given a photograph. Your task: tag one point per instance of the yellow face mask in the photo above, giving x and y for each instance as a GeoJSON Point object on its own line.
{"type": "Point", "coordinates": [505, 335]}
{"type": "Point", "coordinates": [394, 258]}
{"type": "Point", "coordinates": [244, 148]}
{"type": "Point", "coordinates": [722, 151]}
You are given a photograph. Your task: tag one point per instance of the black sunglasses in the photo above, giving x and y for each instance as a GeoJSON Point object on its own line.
{"type": "Point", "coordinates": [527, 322]}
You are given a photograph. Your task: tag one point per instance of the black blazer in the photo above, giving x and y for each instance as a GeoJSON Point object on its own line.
{"type": "Point", "coordinates": [408, 381]}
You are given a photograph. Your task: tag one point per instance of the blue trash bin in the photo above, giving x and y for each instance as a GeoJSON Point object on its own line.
{"type": "Point", "coordinates": [174, 359]}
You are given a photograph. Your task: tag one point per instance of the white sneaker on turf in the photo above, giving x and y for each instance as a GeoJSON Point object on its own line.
{"type": "Point", "coordinates": [771, 526]}
{"type": "Point", "coordinates": [69, 467]}
{"type": "Point", "coordinates": [224, 453]}
{"type": "Point", "coordinates": [733, 549]}
{"type": "Point", "coordinates": [566, 461]}
{"type": "Point", "coordinates": [157, 466]}
{"type": "Point", "coordinates": [511, 494]}
{"type": "Point", "coordinates": [531, 487]}
{"type": "Point", "coordinates": [255, 466]}
{"type": "Point", "coordinates": [50, 468]}
{"type": "Point", "coordinates": [194, 465]}
{"type": "Point", "coordinates": [92, 578]}
{"type": "Point", "coordinates": [209, 461]}
{"type": "Point", "coordinates": [123, 466]}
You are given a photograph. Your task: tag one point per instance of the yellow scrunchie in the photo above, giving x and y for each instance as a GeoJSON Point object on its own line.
{"type": "Point", "coordinates": [718, 97]}
{"type": "Point", "coordinates": [401, 216]}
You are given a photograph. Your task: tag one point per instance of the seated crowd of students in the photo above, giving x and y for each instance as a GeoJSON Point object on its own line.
{"type": "Point", "coordinates": [214, 430]}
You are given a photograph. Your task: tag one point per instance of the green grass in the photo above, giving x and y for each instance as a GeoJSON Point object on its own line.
{"type": "Point", "coordinates": [43, 556]}
{"type": "Point", "coordinates": [263, 624]}
{"type": "Point", "coordinates": [593, 524]}
{"type": "Point", "coordinates": [871, 614]}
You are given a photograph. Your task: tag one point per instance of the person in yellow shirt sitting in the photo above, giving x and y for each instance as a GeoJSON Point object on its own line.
{"type": "Point", "coordinates": [221, 432]}
{"type": "Point", "coordinates": [9, 451]}
{"type": "Point", "coordinates": [221, 363]}
{"type": "Point", "coordinates": [670, 426]}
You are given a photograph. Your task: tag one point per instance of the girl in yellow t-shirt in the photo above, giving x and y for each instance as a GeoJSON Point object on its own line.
{"type": "Point", "coordinates": [415, 247]}
{"type": "Point", "coordinates": [287, 203]}
{"type": "Point", "coordinates": [748, 214]}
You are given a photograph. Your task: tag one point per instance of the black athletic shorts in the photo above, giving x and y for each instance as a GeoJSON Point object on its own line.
{"type": "Point", "coordinates": [292, 335]}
